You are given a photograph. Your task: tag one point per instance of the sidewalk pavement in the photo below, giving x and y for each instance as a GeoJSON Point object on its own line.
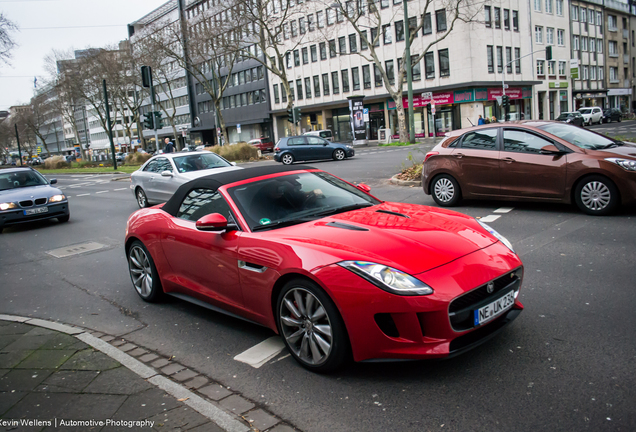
{"type": "Point", "coordinates": [63, 378]}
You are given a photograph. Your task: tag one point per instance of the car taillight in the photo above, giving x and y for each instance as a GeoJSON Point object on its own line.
{"type": "Point", "coordinates": [276, 149]}
{"type": "Point", "coordinates": [429, 154]}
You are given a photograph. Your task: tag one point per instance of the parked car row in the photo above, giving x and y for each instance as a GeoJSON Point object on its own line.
{"type": "Point", "coordinates": [589, 116]}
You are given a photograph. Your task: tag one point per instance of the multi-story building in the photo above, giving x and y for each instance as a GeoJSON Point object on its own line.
{"type": "Point", "coordinates": [619, 84]}
{"type": "Point", "coordinates": [551, 27]}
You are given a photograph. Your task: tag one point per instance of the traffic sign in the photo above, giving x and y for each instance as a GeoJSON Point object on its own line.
{"type": "Point", "coordinates": [433, 109]}
{"type": "Point", "coordinates": [427, 95]}
{"type": "Point", "coordinates": [238, 128]}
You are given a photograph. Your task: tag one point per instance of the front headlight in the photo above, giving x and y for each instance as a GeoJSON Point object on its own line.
{"type": "Point", "coordinates": [350, 147]}
{"type": "Point", "coordinates": [7, 206]}
{"type": "Point", "coordinates": [57, 198]}
{"type": "Point", "coordinates": [387, 278]}
{"type": "Point", "coordinates": [496, 234]}
{"type": "Point", "coordinates": [626, 164]}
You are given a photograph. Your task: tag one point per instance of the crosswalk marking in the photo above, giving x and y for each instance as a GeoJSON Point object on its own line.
{"type": "Point", "coordinates": [504, 210]}
{"type": "Point", "coordinates": [490, 218]}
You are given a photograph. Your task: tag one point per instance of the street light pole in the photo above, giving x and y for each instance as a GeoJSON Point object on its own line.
{"type": "Point", "coordinates": [409, 73]}
{"type": "Point", "coordinates": [110, 128]}
{"type": "Point", "coordinates": [17, 137]}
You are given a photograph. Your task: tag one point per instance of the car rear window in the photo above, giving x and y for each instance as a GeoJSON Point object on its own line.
{"type": "Point", "coordinates": [326, 134]}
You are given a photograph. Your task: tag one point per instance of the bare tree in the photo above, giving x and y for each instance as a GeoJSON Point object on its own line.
{"type": "Point", "coordinates": [7, 42]}
{"type": "Point", "coordinates": [370, 23]}
{"type": "Point", "coordinates": [24, 122]}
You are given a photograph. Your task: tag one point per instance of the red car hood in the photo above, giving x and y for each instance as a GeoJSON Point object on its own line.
{"type": "Point", "coordinates": [426, 238]}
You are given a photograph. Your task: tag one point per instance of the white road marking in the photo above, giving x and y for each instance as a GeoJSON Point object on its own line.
{"type": "Point", "coordinates": [82, 195]}
{"type": "Point", "coordinates": [490, 218]}
{"type": "Point", "coordinates": [504, 210]}
{"type": "Point", "coordinates": [98, 192]}
{"type": "Point", "coordinates": [121, 189]}
{"type": "Point", "coordinates": [260, 354]}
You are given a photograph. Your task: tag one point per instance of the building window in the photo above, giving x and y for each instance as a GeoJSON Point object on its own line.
{"type": "Point", "coordinates": [586, 73]}
{"type": "Point", "coordinates": [487, 17]}
{"type": "Point", "coordinates": [506, 19]}
{"type": "Point", "coordinates": [335, 83]}
{"type": "Point", "coordinates": [384, 4]}
{"type": "Point", "coordinates": [497, 18]}
{"type": "Point", "coordinates": [583, 14]}
{"type": "Point", "coordinates": [562, 68]}
{"type": "Point", "coordinates": [291, 89]}
{"type": "Point", "coordinates": [316, 86]}
{"type": "Point", "coordinates": [353, 45]}
{"type": "Point", "coordinates": [413, 26]}
{"type": "Point", "coordinates": [276, 98]}
{"type": "Point", "coordinates": [515, 20]}
{"type": "Point", "coordinates": [427, 26]}
{"type": "Point", "coordinates": [491, 63]}
{"type": "Point", "coordinates": [440, 20]}
{"type": "Point", "coordinates": [331, 16]}
{"type": "Point", "coordinates": [548, 6]}
{"type": "Point", "coordinates": [575, 43]}
{"type": "Point", "coordinates": [612, 24]}
{"type": "Point", "coordinates": [287, 62]}
{"type": "Point", "coordinates": [416, 70]}
{"type": "Point", "coordinates": [499, 59]}
{"type": "Point", "coordinates": [540, 67]}
{"type": "Point", "coordinates": [549, 36]}
{"type": "Point", "coordinates": [593, 73]}
{"type": "Point", "coordinates": [345, 80]}
{"type": "Point", "coordinates": [599, 20]}
{"type": "Point", "coordinates": [299, 89]}
{"type": "Point", "coordinates": [308, 88]}
{"type": "Point", "coordinates": [390, 72]}
{"type": "Point", "coordinates": [283, 94]}
{"type": "Point", "coordinates": [305, 55]}
{"type": "Point", "coordinates": [375, 39]}
{"type": "Point", "coordinates": [377, 75]}
{"type": "Point", "coordinates": [537, 5]}
{"type": "Point", "coordinates": [444, 64]}
{"type": "Point", "coordinates": [399, 31]}
{"type": "Point", "coordinates": [583, 43]}
{"type": "Point", "coordinates": [332, 48]}
{"type": "Point", "coordinates": [302, 25]}
{"type": "Point", "coordinates": [320, 19]}
{"type": "Point", "coordinates": [386, 34]}
{"type": "Point", "coordinates": [559, 7]}
{"type": "Point", "coordinates": [342, 45]}
{"type": "Point", "coordinates": [601, 72]}
{"type": "Point", "coordinates": [517, 61]}
{"type": "Point", "coordinates": [355, 77]}
{"type": "Point", "coordinates": [538, 34]}
{"type": "Point", "coordinates": [325, 84]}
{"type": "Point", "coordinates": [310, 22]}
{"type": "Point", "coordinates": [509, 60]}
{"type": "Point", "coordinates": [294, 28]}
{"type": "Point", "coordinates": [429, 65]}
{"type": "Point", "coordinates": [560, 37]}
{"type": "Point", "coordinates": [323, 51]}
{"type": "Point", "coordinates": [575, 13]}
{"type": "Point", "coordinates": [552, 67]}
{"type": "Point", "coordinates": [599, 45]}
{"type": "Point", "coordinates": [296, 58]}
{"type": "Point", "coordinates": [314, 53]}
{"type": "Point", "coordinates": [363, 41]}
{"type": "Point", "coordinates": [366, 76]}
{"type": "Point", "coordinates": [592, 45]}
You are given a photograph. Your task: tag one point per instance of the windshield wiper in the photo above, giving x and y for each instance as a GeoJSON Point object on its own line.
{"type": "Point", "coordinates": [344, 209]}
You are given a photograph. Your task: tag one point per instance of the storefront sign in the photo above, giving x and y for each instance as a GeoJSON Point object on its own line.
{"type": "Point", "coordinates": [619, 92]}
{"type": "Point", "coordinates": [558, 84]}
{"type": "Point", "coordinates": [513, 93]}
{"type": "Point", "coordinates": [563, 96]}
{"type": "Point", "coordinates": [443, 98]}
{"type": "Point", "coordinates": [481, 94]}
{"type": "Point", "coordinates": [464, 96]}
{"type": "Point", "coordinates": [358, 126]}
{"type": "Point", "coordinates": [574, 68]}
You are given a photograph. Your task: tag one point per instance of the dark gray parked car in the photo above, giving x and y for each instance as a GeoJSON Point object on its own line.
{"type": "Point", "coordinates": [306, 148]}
{"type": "Point", "coordinates": [25, 196]}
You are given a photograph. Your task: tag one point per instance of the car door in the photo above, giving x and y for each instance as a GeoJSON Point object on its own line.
{"type": "Point", "coordinates": [144, 179]}
{"type": "Point", "coordinates": [319, 148]}
{"type": "Point", "coordinates": [475, 162]}
{"type": "Point", "coordinates": [299, 148]}
{"type": "Point", "coordinates": [163, 186]}
{"type": "Point", "coordinates": [525, 172]}
{"type": "Point", "coordinates": [204, 263]}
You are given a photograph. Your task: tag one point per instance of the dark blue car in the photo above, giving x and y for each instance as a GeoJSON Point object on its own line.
{"type": "Point", "coordinates": [306, 148]}
{"type": "Point", "coordinates": [25, 196]}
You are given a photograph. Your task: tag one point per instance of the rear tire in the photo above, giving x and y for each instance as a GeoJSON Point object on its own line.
{"type": "Point", "coordinates": [596, 195]}
{"type": "Point", "coordinates": [143, 273]}
{"type": "Point", "coordinates": [445, 190]}
{"type": "Point", "coordinates": [287, 159]}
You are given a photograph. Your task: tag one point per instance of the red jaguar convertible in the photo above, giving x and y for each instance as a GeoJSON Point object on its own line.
{"type": "Point", "coordinates": [338, 273]}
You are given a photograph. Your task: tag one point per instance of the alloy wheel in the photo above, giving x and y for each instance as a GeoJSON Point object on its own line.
{"type": "Point", "coordinates": [306, 327]}
{"type": "Point", "coordinates": [596, 195]}
{"type": "Point", "coordinates": [444, 189]}
{"type": "Point", "coordinates": [141, 198]}
{"type": "Point", "coordinates": [140, 270]}
{"type": "Point", "coordinates": [287, 159]}
{"type": "Point", "coordinates": [339, 155]}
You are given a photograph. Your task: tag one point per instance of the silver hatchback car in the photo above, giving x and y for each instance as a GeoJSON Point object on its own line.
{"type": "Point", "coordinates": [157, 179]}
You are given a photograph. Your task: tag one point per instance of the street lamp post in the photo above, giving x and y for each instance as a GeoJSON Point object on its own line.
{"type": "Point", "coordinates": [409, 73]}
{"type": "Point", "coordinates": [110, 128]}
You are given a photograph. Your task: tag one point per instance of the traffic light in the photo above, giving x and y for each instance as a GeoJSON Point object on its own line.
{"type": "Point", "coordinates": [505, 101]}
{"type": "Point", "coordinates": [149, 121]}
{"type": "Point", "coordinates": [146, 76]}
{"type": "Point", "coordinates": [290, 115]}
{"type": "Point", "coordinates": [548, 52]}
{"type": "Point", "coordinates": [297, 114]}
{"type": "Point", "coordinates": [158, 120]}
{"type": "Point", "coordinates": [428, 107]}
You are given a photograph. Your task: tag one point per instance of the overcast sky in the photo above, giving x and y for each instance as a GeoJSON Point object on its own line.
{"type": "Point", "coordinates": [103, 22]}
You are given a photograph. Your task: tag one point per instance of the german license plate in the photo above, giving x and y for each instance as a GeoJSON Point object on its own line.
{"type": "Point", "coordinates": [36, 211]}
{"type": "Point", "coordinates": [495, 308]}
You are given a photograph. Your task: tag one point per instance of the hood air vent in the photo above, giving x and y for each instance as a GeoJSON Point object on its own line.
{"type": "Point", "coordinates": [393, 213]}
{"type": "Point", "coordinates": [346, 226]}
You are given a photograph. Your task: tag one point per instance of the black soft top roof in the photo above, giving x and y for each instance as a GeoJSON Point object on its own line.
{"type": "Point", "coordinates": [214, 181]}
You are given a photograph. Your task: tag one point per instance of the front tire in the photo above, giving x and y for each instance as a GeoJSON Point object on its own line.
{"type": "Point", "coordinates": [287, 159]}
{"type": "Point", "coordinates": [445, 191]}
{"type": "Point", "coordinates": [143, 273]}
{"type": "Point", "coordinates": [339, 155]}
{"type": "Point", "coordinates": [142, 200]}
{"type": "Point", "coordinates": [311, 327]}
{"type": "Point", "coordinates": [596, 195]}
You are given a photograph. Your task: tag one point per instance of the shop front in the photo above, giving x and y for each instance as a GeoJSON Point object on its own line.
{"type": "Point", "coordinates": [588, 99]}
{"type": "Point", "coordinates": [620, 98]}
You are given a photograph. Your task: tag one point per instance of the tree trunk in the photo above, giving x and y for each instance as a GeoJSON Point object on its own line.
{"type": "Point", "coordinates": [402, 130]}
{"type": "Point", "coordinates": [176, 137]}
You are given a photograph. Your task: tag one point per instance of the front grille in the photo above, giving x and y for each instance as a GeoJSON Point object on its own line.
{"type": "Point", "coordinates": [461, 310]}
{"type": "Point", "coordinates": [40, 201]}
{"type": "Point", "coordinates": [26, 203]}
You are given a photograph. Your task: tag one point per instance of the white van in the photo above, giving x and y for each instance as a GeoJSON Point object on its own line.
{"type": "Point", "coordinates": [326, 134]}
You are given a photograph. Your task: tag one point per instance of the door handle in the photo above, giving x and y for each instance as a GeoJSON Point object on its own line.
{"type": "Point", "coordinates": [508, 160]}
{"type": "Point", "coordinates": [458, 155]}
{"type": "Point", "coordinates": [251, 267]}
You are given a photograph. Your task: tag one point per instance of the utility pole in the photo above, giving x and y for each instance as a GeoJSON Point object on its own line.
{"type": "Point", "coordinates": [17, 137]}
{"type": "Point", "coordinates": [110, 128]}
{"type": "Point", "coordinates": [409, 73]}
{"type": "Point", "coordinates": [186, 56]}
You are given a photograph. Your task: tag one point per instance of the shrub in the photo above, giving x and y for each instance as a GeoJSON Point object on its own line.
{"type": "Point", "coordinates": [56, 162]}
{"type": "Point", "coordinates": [137, 158]}
{"type": "Point", "coordinates": [236, 152]}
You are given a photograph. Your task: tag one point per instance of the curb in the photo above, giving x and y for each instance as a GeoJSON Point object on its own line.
{"type": "Point", "coordinates": [197, 391]}
{"type": "Point", "coordinates": [411, 183]}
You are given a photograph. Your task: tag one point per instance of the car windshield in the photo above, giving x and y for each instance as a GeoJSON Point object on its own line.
{"type": "Point", "coordinates": [565, 116]}
{"type": "Point", "coordinates": [199, 162]}
{"type": "Point", "coordinates": [585, 111]}
{"type": "Point", "coordinates": [582, 138]}
{"type": "Point", "coordinates": [296, 198]}
{"type": "Point", "coordinates": [20, 179]}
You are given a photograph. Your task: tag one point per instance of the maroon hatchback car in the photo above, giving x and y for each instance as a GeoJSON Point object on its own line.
{"type": "Point", "coordinates": [263, 144]}
{"type": "Point", "coordinates": [534, 161]}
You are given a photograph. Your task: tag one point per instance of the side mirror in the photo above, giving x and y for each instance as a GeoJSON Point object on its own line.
{"type": "Point", "coordinates": [214, 222]}
{"type": "Point", "coordinates": [550, 149]}
{"type": "Point", "coordinates": [53, 181]}
{"type": "Point", "coordinates": [233, 163]}
{"type": "Point", "coordinates": [364, 187]}
{"type": "Point", "coordinates": [166, 173]}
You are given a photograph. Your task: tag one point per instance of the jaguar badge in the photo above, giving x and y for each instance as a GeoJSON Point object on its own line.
{"type": "Point", "coordinates": [490, 287]}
